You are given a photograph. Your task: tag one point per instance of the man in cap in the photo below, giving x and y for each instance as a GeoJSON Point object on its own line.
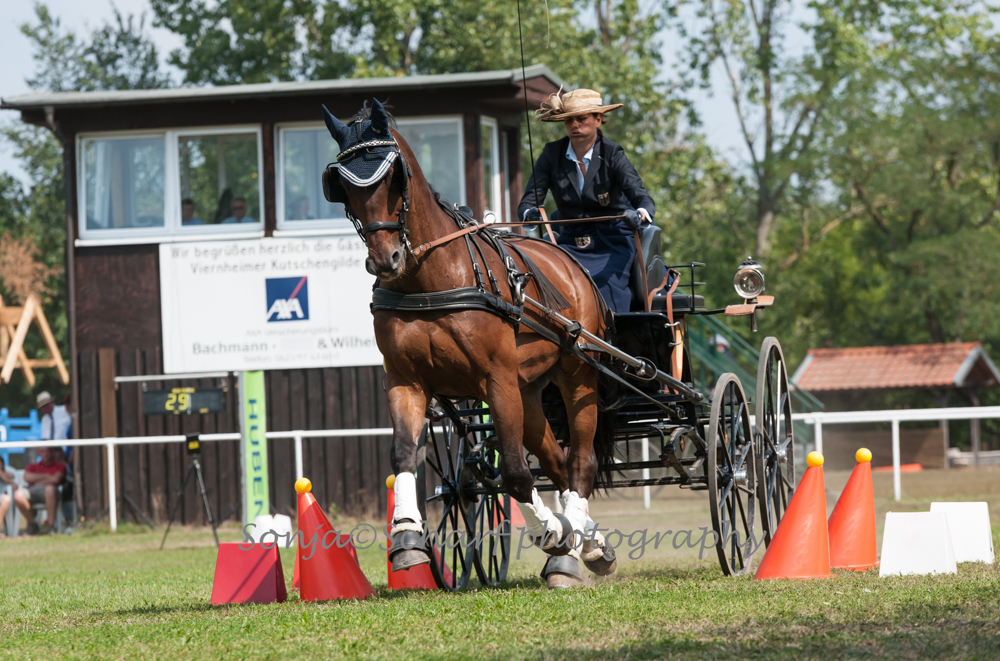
{"type": "Point", "coordinates": [590, 176]}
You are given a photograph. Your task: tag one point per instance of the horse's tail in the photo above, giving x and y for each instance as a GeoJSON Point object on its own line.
{"type": "Point", "coordinates": [608, 395]}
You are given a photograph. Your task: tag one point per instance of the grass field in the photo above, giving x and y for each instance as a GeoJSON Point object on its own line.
{"type": "Point", "coordinates": [98, 595]}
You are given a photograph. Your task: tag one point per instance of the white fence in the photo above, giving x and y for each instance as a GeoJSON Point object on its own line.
{"type": "Point", "coordinates": [895, 417]}
{"type": "Point", "coordinates": [818, 420]}
{"type": "Point", "coordinates": [110, 444]}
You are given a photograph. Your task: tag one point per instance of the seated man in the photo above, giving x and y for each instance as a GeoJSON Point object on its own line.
{"type": "Point", "coordinates": [43, 478]}
{"type": "Point", "coordinates": [6, 478]}
{"type": "Point", "coordinates": [187, 213]}
{"type": "Point", "coordinates": [239, 212]}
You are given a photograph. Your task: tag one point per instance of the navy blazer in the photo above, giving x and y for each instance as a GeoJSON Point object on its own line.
{"type": "Point", "coordinates": [611, 186]}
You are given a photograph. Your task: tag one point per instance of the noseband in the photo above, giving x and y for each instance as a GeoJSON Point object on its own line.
{"type": "Point", "coordinates": [334, 192]}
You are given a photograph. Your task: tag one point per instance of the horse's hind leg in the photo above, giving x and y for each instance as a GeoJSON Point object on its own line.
{"type": "Point", "coordinates": [579, 390]}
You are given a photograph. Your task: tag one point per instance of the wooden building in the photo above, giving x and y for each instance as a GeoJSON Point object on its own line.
{"type": "Point", "coordinates": [149, 167]}
{"type": "Point", "coordinates": [867, 378]}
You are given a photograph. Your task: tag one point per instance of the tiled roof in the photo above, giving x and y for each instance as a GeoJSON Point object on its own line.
{"type": "Point", "coordinates": [953, 365]}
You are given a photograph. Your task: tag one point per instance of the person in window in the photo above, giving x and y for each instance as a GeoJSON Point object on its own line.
{"type": "Point", "coordinates": [239, 212]}
{"type": "Point", "coordinates": [300, 209]}
{"type": "Point", "coordinates": [590, 176]}
{"type": "Point", "coordinates": [187, 213]}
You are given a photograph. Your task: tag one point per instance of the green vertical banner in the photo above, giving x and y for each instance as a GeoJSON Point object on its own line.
{"type": "Point", "coordinates": [253, 446]}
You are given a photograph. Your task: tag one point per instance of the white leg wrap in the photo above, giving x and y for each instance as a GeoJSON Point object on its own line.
{"type": "Point", "coordinates": [592, 550]}
{"type": "Point", "coordinates": [406, 516]}
{"type": "Point", "coordinates": [538, 517]}
{"type": "Point", "coordinates": [576, 509]}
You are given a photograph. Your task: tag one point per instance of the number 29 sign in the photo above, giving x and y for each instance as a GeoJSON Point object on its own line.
{"type": "Point", "coordinates": [179, 401]}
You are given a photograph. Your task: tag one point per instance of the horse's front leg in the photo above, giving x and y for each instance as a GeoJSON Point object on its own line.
{"type": "Point", "coordinates": [407, 404]}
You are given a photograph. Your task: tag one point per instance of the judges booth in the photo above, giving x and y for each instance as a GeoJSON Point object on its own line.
{"type": "Point", "coordinates": [200, 241]}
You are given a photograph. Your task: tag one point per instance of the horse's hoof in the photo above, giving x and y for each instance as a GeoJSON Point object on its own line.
{"type": "Point", "coordinates": [558, 547]}
{"type": "Point", "coordinates": [408, 550]}
{"type": "Point", "coordinates": [606, 565]}
{"type": "Point", "coordinates": [562, 571]}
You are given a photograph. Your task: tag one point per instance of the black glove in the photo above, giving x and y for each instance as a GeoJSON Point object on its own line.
{"type": "Point", "coordinates": [533, 215]}
{"type": "Point", "coordinates": [632, 219]}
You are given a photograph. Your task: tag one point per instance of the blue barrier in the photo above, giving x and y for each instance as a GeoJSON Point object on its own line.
{"type": "Point", "coordinates": [19, 429]}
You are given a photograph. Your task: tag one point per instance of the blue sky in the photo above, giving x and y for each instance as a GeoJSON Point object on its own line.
{"type": "Point", "coordinates": [82, 16]}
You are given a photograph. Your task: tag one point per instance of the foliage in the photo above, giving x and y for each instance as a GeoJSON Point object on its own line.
{"type": "Point", "coordinates": [21, 273]}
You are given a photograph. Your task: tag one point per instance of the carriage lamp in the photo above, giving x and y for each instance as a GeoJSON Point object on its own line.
{"type": "Point", "coordinates": [749, 280]}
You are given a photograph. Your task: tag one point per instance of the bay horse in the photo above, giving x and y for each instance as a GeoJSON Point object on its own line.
{"type": "Point", "coordinates": [473, 352]}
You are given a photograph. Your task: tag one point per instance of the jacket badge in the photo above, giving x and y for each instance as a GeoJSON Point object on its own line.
{"type": "Point", "coordinates": [604, 199]}
{"type": "Point", "coordinates": [583, 241]}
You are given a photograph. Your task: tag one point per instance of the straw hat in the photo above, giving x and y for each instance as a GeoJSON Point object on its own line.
{"type": "Point", "coordinates": [43, 399]}
{"type": "Point", "coordinates": [561, 106]}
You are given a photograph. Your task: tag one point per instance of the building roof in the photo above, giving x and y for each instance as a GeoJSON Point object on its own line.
{"type": "Point", "coordinates": [39, 100]}
{"type": "Point", "coordinates": [954, 365]}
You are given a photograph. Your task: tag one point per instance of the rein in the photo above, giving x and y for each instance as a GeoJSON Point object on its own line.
{"type": "Point", "coordinates": [475, 227]}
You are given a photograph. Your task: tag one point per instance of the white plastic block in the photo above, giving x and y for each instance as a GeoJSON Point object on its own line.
{"type": "Point", "coordinates": [279, 523]}
{"type": "Point", "coordinates": [971, 535]}
{"type": "Point", "coordinates": [916, 543]}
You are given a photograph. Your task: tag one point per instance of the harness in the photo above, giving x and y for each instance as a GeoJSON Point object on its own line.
{"type": "Point", "coordinates": [486, 295]}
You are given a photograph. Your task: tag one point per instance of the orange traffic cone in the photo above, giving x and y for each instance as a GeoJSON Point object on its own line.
{"type": "Point", "coordinates": [516, 518]}
{"type": "Point", "coordinates": [852, 524]}
{"type": "Point", "coordinates": [345, 542]}
{"type": "Point", "coordinates": [800, 547]}
{"type": "Point", "coordinates": [414, 578]}
{"type": "Point", "coordinates": [327, 569]}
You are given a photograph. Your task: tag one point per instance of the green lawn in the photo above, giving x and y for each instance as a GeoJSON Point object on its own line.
{"type": "Point", "coordinates": [97, 595]}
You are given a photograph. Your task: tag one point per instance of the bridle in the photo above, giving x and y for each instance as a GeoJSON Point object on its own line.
{"type": "Point", "coordinates": [332, 194]}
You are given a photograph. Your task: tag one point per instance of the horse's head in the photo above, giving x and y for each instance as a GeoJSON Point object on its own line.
{"type": "Point", "coordinates": [372, 180]}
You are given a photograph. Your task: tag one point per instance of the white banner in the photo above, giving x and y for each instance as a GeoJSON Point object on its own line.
{"type": "Point", "coordinates": [266, 304]}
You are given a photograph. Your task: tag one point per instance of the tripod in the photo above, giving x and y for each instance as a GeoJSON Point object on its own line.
{"type": "Point", "coordinates": [194, 451]}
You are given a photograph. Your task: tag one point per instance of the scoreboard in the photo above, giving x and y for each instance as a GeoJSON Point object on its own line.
{"type": "Point", "coordinates": [179, 401]}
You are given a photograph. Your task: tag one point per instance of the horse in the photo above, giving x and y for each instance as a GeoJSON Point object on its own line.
{"type": "Point", "coordinates": [473, 352]}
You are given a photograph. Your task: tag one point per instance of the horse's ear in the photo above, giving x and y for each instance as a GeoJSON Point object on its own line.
{"type": "Point", "coordinates": [380, 120]}
{"type": "Point", "coordinates": [337, 128]}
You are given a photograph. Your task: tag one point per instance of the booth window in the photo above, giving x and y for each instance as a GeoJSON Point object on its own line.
{"type": "Point", "coordinates": [304, 151]}
{"type": "Point", "coordinates": [219, 179]}
{"type": "Point", "coordinates": [123, 183]}
{"type": "Point", "coordinates": [159, 187]}
{"type": "Point", "coordinates": [492, 183]}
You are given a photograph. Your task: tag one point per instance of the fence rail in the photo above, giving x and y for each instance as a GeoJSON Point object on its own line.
{"type": "Point", "coordinates": [817, 419]}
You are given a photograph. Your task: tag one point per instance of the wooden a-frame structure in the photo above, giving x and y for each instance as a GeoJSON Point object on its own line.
{"type": "Point", "coordinates": [14, 324]}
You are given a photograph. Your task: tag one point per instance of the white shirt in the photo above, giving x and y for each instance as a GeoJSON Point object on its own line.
{"type": "Point", "coordinates": [571, 155]}
{"type": "Point", "coordinates": [61, 423]}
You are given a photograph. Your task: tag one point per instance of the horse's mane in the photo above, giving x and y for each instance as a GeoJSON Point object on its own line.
{"type": "Point", "coordinates": [365, 113]}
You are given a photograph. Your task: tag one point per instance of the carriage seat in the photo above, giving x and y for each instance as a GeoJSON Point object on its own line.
{"type": "Point", "coordinates": [649, 244]}
{"type": "Point", "coordinates": [649, 247]}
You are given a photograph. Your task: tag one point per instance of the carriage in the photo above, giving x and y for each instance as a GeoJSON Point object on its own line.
{"type": "Point", "coordinates": [703, 443]}
{"type": "Point", "coordinates": [448, 324]}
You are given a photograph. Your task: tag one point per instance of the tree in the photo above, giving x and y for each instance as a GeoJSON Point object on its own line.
{"type": "Point", "coordinates": [117, 55]}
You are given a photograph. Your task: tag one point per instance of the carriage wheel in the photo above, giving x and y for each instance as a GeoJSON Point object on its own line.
{"type": "Point", "coordinates": [492, 521]}
{"type": "Point", "coordinates": [774, 437]}
{"type": "Point", "coordinates": [447, 511]}
{"type": "Point", "coordinates": [730, 475]}
{"type": "Point", "coordinates": [490, 515]}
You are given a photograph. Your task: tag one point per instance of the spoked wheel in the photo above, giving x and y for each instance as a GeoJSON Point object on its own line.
{"type": "Point", "coordinates": [774, 437]}
{"type": "Point", "coordinates": [490, 516]}
{"type": "Point", "coordinates": [731, 475]}
{"type": "Point", "coordinates": [448, 510]}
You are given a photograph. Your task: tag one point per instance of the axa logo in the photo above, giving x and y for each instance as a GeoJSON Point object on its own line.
{"type": "Point", "coordinates": [287, 299]}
